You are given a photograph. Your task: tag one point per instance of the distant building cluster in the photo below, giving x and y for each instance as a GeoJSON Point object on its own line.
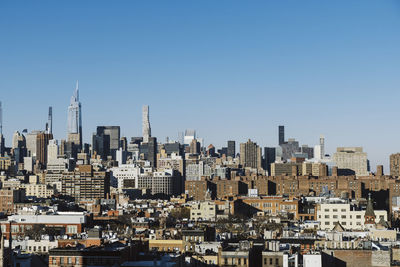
{"type": "Point", "coordinates": [137, 201]}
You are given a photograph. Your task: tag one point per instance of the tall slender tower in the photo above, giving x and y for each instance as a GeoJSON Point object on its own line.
{"type": "Point", "coordinates": [1, 119]}
{"type": "Point", "coordinates": [281, 134]}
{"type": "Point", "coordinates": [322, 145]}
{"type": "Point", "coordinates": [146, 130]}
{"type": "Point", "coordinates": [2, 148]}
{"type": "Point", "coordinates": [49, 128]}
{"type": "Point", "coordinates": [75, 119]}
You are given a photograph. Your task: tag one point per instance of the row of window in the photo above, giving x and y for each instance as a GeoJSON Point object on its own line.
{"type": "Point", "coordinates": [239, 261]}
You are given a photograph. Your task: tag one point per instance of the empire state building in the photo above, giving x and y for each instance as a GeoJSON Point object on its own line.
{"type": "Point", "coordinates": [74, 128]}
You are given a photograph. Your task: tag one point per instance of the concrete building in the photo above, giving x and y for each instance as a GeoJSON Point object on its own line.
{"type": "Point", "coordinates": [71, 222]}
{"type": "Point", "coordinates": [52, 151]}
{"type": "Point", "coordinates": [319, 150]}
{"type": "Point", "coordinates": [194, 147]}
{"type": "Point", "coordinates": [281, 133]}
{"type": "Point", "coordinates": [289, 168]}
{"type": "Point", "coordinates": [146, 130]}
{"type": "Point", "coordinates": [74, 129]}
{"type": "Point", "coordinates": [289, 148]}
{"type": "Point", "coordinates": [349, 216]}
{"type": "Point", "coordinates": [125, 172]}
{"type": "Point", "coordinates": [8, 197]}
{"type": "Point", "coordinates": [39, 190]}
{"type": "Point", "coordinates": [31, 143]}
{"type": "Point", "coordinates": [351, 160]}
{"type": "Point", "coordinates": [269, 158]}
{"type": "Point", "coordinates": [107, 141]}
{"type": "Point", "coordinates": [250, 155]}
{"type": "Point", "coordinates": [231, 149]}
{"type": "Point", "coordinates": [167, 182]}
{"type": "Point", "coordinates": [204, 211]}
{"type": "Point", "coordinates": [42, 142]}
{"type": "Point", "coordinates": [18, 140]}
{"type": "Point", "coordinates": [173, 161]}
{"type": "Point", "coordinates": [395, 165]}
{"type": "Point", "coordinates": [85, 183]}
{"type": "Point", "coordinates": [189, 136]}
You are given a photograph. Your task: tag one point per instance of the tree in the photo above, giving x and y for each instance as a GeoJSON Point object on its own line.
{"type": "Point", "coordinates": [180, 213]}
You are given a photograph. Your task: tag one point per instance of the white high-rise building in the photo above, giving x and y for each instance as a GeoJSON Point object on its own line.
{"type": "Point", "coordinates": [319, 150]}
{"type": "Point", "coordinates": [52, 151]}
{"type": "Point", "coordinates": [31, 143]}
{"type": "Point", "coordinates": [18, 140]}
{"type": "Point", "coordinates": [146, 130]}
{"type": "Point", "coordinates": [351, 159]}
{"type": "Point", "coordinates": [189, 136]}
{"type": "Point", "coordinates": [322, 145]}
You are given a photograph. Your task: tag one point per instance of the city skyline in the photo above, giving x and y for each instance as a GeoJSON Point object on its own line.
{"type": "Point", "coordinates": [334, 64]}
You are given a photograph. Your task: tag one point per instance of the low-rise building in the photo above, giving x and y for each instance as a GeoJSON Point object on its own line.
{"type": "Point", "coordinates": [204, 211]}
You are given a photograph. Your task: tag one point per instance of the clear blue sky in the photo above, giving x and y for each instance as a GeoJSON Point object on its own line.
{"type": "Point", "coordinates": [229, 69]}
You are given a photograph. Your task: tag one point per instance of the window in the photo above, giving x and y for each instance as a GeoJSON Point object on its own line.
{"type": "Point", "coordinates": [69, 260]}
{"type": "Point", "coordinates": [14, 228]}
{"type": "Point", "coordinates": [72, 229]}
{"type": "Point", "coordinates": [334, 216]}
{"type": "Point", "coordinates": [265, 261]}
{"type": "Point", "coordinates": [244, 261]}
{"type": "Point", "coordinates": [358, 216]}
{"type": "Point", "coordinates": [270, 261]}
{"type": "Point", "coordinates": [326, 216]}
{"type": "Point", "coordinates": [334, 210]}
{"type": "Point", "coordinates": [54, 260]}
{"type": "Point", "coordinates": [276, 261]}
{"type": "Point", "coordinates": [326, 223]}
{"type": "Point", "coordinates": [327, 210]}
{"type": "Point", "coordinates": [239, 261]}
{"type": "Point", "coordinates": [343, 210]}
{"type": "Point", "coordinates": [61, 260]}
{"type": "Point", "coordinates": [343, 216]}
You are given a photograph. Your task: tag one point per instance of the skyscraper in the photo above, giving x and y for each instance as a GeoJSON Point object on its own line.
{"type": "Point", "coordinates": [322, 145]}
{"type": "Point", "coordinates": [269, 158]}
{"type": "Point", "coordinates": [351, 160]}
{"type": "Point", "coordinates": [231, 149]}
{"type": "Point", "coordinates": [2, 148]}
{"type": "Point", "coordinates": [52, 151]}
{"type": "Point", "coordinates": [42, 141]}
{"type": "Point", "coordinates": [112, 141]}
{"type": "Point", "coordinates": [319, 150]}
{"type": "Point", "coordinates": [49, 125]}
{"type": "Point", "coordinates": [250, 155]}
{"type": "Point", "coordinates": [395, 164]}
{"type": "Point", "coordinates": [152, 151]}
{"type": "Point", "coordinates": [281, 134]}
{"type": "Point", "coordinates": [146, 130]}
{"type": "Point", "coordinates": [75, 119]}
{"type": "Point", "coordinates": [189, 136]}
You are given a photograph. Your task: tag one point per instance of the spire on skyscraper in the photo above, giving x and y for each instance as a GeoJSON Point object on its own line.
{"type": "Point", "coordinates": [49, 128]}
{"type": "Point", "coordinates": [1, 119]}
{"type": "Point", "coordinates": [77, 91]}
{"type": "Point", "coordinates": [74, 128]}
